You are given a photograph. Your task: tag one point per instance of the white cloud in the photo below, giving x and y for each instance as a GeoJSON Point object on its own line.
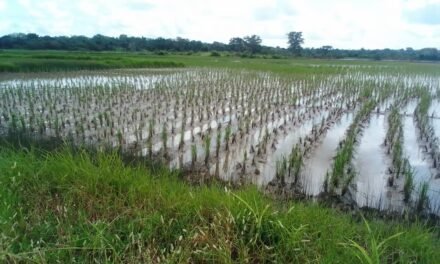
{"type": "Point", "coordinates": [340, 23]}
{"type": "Point", "coordinates": [2, 5]}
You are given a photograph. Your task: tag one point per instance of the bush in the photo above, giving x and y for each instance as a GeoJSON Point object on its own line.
{"type": "Point", "coordinates": [215, 54]}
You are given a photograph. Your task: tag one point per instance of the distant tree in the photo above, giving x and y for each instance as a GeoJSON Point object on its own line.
{"type": "Point", "coordinates": [237, 44]}
{"type": "Point", "coordinates": [124, 41]}
{"type": "Point", "coordinates": [218, 46]}
{"type": "Point", "coordinates": [325, 50]}
{"type": "Point", "coordinates": [295, 40]}
{"type": "Point", "coordinates": [103, 42]}
{"type": "Point", "coordinates": [247, 44]}
{"type": "Point", "coordinates": [253, 43]}
{"type": "Point", "coordinates": [429, 54]}
{"type": "Point", "coordinates": [182, 44]}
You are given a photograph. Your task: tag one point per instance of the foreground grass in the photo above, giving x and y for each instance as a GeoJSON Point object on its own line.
{"type": "Point", "coordinates": [64, 207]}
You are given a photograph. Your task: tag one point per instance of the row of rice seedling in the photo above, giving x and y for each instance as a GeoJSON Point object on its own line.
{"type": "Point", "coordinates": [238, 126]}
{"type": "Point", "coordinates": [342, 172]}
{"type": "Point", "coordinates": [426, 130]}
{"type": "Point", "coordinates": [402, 174]}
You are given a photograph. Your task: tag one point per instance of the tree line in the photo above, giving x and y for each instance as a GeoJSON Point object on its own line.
{"type": "Point", "coordinates": [245, 46]}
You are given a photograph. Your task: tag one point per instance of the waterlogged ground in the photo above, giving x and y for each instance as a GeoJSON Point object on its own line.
{"type": "Point", "coordinates": [419, 159]}
{"type": "Point", "coordinates": [238, 126]}
{"type": "Point", "coordinates": [319, 161]}
{"type": "Point", "coordinates": [372, 166]}
{"type": "Point", "coordinates": [434, 110]}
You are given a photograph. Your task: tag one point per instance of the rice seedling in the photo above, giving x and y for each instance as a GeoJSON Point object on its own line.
{"type": "Point", "coordinates": [408, 186]}
{"type": "Point", "coordinates": [423, 201]}
{"type": "Point", "coordinates": [207, 147]}
{"type": "Point", "coordinates": [193, 156]}
{"type": "Point", "coordinates": [164, 137]}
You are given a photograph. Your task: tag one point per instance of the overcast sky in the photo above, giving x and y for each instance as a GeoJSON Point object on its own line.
{"type": "Point", "coordinates": [339, 23]}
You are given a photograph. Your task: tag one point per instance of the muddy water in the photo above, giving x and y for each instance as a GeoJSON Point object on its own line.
{"type": "Point", "coordinates": [371, 165]}
{"type": "Point", "coordinates": [320, 161]}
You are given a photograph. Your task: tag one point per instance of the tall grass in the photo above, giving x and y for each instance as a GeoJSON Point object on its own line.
{"type": "Point", "coordinates": [65, 62]}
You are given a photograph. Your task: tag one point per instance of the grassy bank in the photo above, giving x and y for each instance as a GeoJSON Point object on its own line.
{"type": "Point", "coordinates": [37, 61]}
{"type": "Point", "coordinates": [67, 207]}
{"type": "Point", "coordinates": [41, 61]}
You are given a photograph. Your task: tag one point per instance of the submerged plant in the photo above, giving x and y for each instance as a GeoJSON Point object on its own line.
{"type": "Point", "coordinates": [281, 170]}
{"type": "Point", "coordinates": [408, 185]}
{"type": "Point", "coordinates": [150, 138]}
{"type": "Point", "coordinates": [193, 156]}
{"type": "Point", "coordinates": [182, 136]}
{"type": "Point", "coordinates": [164, 138]}
{"type": "Point", "coordinates": [120, 139]}
{"type": "Point", "coordinates": [227, 136]}
{"type": "Point", "coordinates": [207, 149]}
{"type": "Point", "coordinates": [218, 144]}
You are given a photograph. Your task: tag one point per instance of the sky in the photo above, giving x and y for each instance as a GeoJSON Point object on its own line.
{"type": "Point", "coordinates": [351, 24]}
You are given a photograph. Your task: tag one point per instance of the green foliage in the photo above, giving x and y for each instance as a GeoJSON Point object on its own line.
{"type": "Point", "coordinates": [295, 40]}
{"type": "Point", "coordinates": [207, 146]}
{"type": "Point", "coordinates": [408, 185]}
{"type": "Point", "coordinates": [423, 201]}
{"type": "Point", "coordinates": [69, 61]}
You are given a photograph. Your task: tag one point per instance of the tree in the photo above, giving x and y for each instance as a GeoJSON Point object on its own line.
{"type": "Point", "coordinates": [253, 43]}
{"type": "Point", "coordinates": [295, 40]}
{"type": "Point", "coordinates": [237, 44]}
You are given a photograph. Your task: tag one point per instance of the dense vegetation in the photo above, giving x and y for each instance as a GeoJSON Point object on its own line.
{"type": "Point", "coordinates": [72, 206]}
{"type": "Point", "coordinates": [245, 46]}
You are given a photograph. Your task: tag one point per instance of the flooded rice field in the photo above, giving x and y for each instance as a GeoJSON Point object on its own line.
{"type": "Point", "coordinates": [371, 138]}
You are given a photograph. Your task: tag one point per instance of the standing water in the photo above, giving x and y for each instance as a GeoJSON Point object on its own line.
{"type": "Point", "coordinates": [371, 164]}
{"type": "Point", "coordinates": [422, 170]}
{"type": "Point", "coordinates": [320, 161]}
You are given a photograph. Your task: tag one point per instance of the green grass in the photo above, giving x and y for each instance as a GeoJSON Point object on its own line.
{"type": "Point", "coordinates": [25, 61]}
{"type": "Point", "coordinates": [69, 207]}
{"type": "Point", "coordinates": [38, 61]}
